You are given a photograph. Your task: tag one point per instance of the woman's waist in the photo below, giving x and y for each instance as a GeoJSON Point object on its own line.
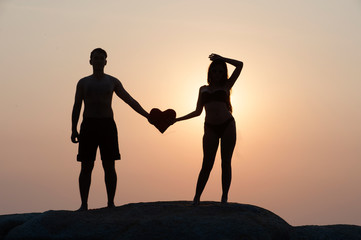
{"type": "Point", "coordinates": [218, 119]}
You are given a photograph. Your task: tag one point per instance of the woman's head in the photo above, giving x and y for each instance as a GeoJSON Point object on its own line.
{"type": "Point", "coordinates": [218, 76]}
{"type": "Point", "coordinates": [217, 73]}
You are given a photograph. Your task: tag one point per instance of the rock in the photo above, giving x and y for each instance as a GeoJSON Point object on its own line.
{"type": "Point", "coordinates": [332, 232]}
{"type": "Point", "coordinates": [165, 220]}
{"type": "Point", "coordinates": [8, 222]}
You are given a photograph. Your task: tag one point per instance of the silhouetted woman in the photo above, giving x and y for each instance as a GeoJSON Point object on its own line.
{"type": "Point", "coordinates": [219, 123]}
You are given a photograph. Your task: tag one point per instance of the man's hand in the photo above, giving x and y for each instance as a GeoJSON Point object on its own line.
{"type": "Point", "coordinates": [75, 136]}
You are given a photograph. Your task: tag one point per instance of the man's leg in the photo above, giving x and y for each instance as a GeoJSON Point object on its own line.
{"type": "Point", "coordinates": [84, 183]}
{"type": "Point", "coordinates": [110, 176]}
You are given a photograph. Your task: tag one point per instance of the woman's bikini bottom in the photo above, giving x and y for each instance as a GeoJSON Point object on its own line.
{"type": "Point", "coordinates": [218, 129]}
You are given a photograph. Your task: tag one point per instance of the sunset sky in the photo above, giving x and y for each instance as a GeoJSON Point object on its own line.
{"type": "Point", "coordinates": [297, 102]}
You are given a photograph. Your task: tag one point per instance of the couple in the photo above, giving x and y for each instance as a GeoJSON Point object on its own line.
{"type": "Point", "coordinates": [98, 128]}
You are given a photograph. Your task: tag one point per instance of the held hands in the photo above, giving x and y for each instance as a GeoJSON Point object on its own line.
{"type": "Point", "coordinates": [162, 120]}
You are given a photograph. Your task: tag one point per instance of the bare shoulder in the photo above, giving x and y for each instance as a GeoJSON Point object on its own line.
{"type": "Point", "coordinates": [203, 88]}
{"type": "Point", "coordinates": [85, 79]}
{"type": "Point", "coordinates": [82, 82]}
{"type": "Point", "coordinates": [114, 80]}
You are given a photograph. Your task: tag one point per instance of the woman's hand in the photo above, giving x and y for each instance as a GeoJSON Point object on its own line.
{"type": "Point", "coordinates": [214, 56]}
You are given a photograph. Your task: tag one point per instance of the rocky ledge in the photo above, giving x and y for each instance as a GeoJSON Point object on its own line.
{"type": "Point", "coordinates": [167, 220]}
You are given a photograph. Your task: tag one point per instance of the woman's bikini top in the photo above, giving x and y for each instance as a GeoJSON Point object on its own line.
{"type": "Point", "coordinates": [218, 96]}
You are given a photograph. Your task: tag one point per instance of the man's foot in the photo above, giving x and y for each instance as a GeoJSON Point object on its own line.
{"type": "Point", "coordinates": [224, 200]}
{"type": "Point", "coordinates": [83, 208]}
{"type": "Point", "coordinates": [111, 205]}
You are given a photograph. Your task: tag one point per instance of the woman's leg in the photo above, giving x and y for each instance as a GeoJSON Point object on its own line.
{"type": "Point", "coordinates": [228, 143]}
{"type": "Point", "coordinates": [210, 145]}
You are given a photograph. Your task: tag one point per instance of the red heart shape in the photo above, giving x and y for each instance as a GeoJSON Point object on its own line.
{"type": "Point", "coordinates": [162, 120]}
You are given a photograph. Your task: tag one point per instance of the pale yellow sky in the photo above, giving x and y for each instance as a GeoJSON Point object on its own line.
{"type": "Point", "coordinates": [297, 103]}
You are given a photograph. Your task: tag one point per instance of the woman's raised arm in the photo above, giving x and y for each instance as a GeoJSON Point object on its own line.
{"type": "Point", "coordinates": [236, 72]}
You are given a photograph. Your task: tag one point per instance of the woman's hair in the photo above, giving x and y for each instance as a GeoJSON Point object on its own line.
{"type": "Point", "coordinates": [212, 66]}
{"type": "Point", "coordinates": [224, 79]}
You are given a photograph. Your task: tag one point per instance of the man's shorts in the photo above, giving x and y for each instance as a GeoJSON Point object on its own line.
{"type": "Point", "coordinates": [100, 132]}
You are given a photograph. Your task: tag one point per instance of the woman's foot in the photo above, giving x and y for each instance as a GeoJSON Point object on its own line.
{"type": "Point", "coordinates": [196, 201]}
{"type": "Point", "coordinates": [224, 200]}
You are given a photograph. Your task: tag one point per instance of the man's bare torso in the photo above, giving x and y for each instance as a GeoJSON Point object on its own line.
{"type": "Point", "coordinates": [97, 95]}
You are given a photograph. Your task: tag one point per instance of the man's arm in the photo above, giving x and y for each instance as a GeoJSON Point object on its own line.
{"type": "Point", "coordinates": [76, 113]}
{"type": "Point", "coordinates": [127, 98]}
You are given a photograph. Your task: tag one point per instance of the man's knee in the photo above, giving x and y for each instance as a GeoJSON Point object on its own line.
{"type": "Point", "coordinates": [109, 166]}
{"type": "Point", "coordinates": [87, 166]}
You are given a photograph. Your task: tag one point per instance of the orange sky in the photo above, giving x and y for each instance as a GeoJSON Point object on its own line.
{"type": "Point", "coordinates": [296, 104]}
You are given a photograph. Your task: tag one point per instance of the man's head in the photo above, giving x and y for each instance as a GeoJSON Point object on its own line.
{"type": "Point", "coordinates": [100, 51]}
{"type": "Point", "coordinates": [98, 58]}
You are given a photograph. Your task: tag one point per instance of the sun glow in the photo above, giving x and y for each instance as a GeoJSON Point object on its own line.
{"type": "Point", "coordinates": [295, 118]}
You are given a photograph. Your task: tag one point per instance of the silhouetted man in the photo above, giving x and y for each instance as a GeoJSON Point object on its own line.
{"type": "Point", "coordinates": [98, 128]}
